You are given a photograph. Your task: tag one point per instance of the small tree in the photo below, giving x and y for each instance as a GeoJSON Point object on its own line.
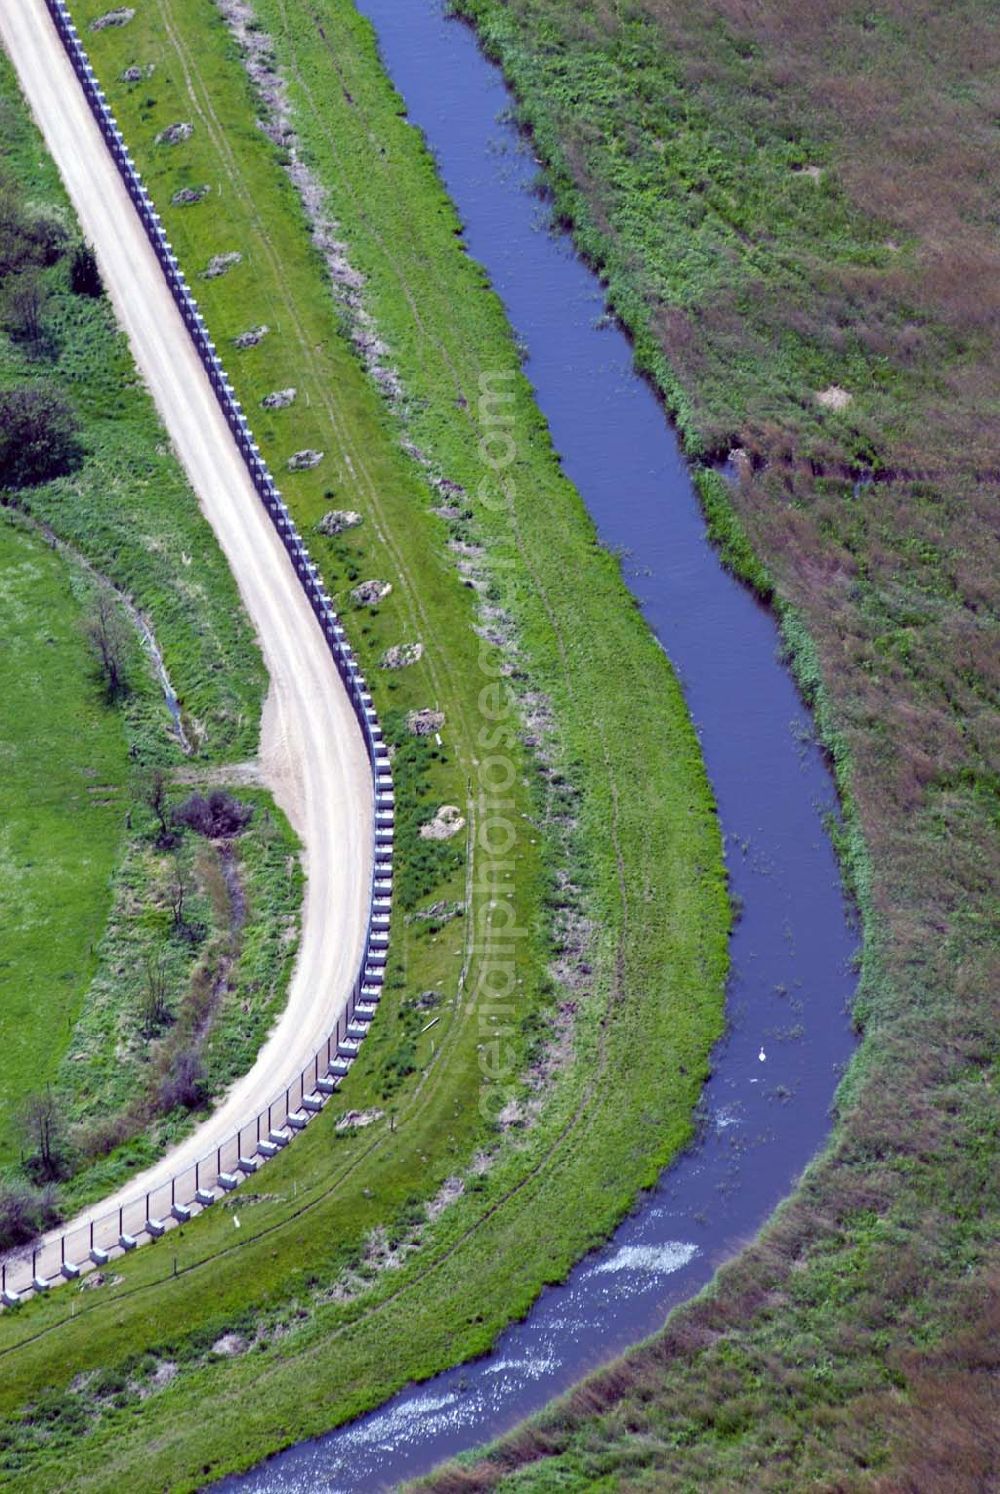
{"type": "Point", "coordinates": [178, 887]}
{"type": "Point", "coordinates": [184, 1084]}
{"type": "Point", "coordinates": [155, 1001]}
{"type": "Point", "coordinates": [25, 1212]}
{"type": "Point", "coordinates": [108, 637]}
{"type": "Point", "coordinates": [45, 1135]}
{"type": "Point", "coordinates": [38, 437]}
{"type": "Point", "coordinates": [155, 797]}
{"type": "Point", "coordinates": [84, 276]}
{"type": "Point", "coordinates": [24, 310]}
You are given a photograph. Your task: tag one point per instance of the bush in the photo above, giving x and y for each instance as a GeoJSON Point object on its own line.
{"type": "Point", "coordinates": [38, 437]}
{"type": "Point", "coordinates": [184, 1084]}
{"type": "Point", "coordinates": [25, 1212]}
{"type": "Point", "coordinates": [220, 816]}
{"type": "Point", "coordinates": [24, 310]}
{"type": "Point", "coordinates": [26, 240]}
{"type": "Point", "coordinates": [84, 276]}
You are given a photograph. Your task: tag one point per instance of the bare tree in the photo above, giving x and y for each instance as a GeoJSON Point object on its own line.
{"type": "Point", "coordinates": [108, 637]}
{"type": "Point", "coordinates": [44, 1132]}
{"type": "Point", "coordinates": [155, 1001]}
{"type": "Point", "coordinates": [154, 794]}
{"type": "Point", "coordinates": [178, 888]}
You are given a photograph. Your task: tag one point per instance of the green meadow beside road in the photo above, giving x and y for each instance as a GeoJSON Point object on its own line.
{"type": "Point", "coordinates": [526, 1123]}
{"type": "Point", "coordinates": [62, 790]}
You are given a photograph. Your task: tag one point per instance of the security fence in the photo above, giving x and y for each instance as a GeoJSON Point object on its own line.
{"type": "Point", "coordinates": [149, 1215]}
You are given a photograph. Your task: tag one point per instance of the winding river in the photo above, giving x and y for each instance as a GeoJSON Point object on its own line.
{"type": "Point", "coordinates": [766, 1109]}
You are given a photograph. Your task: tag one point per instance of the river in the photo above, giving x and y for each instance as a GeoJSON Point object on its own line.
{"type": "Point", "coordinates": [767, 1107]}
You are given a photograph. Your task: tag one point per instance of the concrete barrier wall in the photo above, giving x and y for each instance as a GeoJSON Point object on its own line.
{"type": "Point", "coordinates": [270, 1129]}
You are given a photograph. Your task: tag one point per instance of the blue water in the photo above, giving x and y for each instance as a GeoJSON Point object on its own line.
{"type": "Point", "coordinates": [792, 982]}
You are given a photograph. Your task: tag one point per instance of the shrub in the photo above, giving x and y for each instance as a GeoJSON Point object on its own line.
{"type": "Point", "coordinates": [84, 276]}
{"type": "Point", "coordinates": [184, 1084]}
{"type": "Point", "coordinates": [220, 816]}
{"type": "Point", "coordinates": [25, 1212]}
{"type": "Point", "coordinates": [108, 637]}
{"type": "Point", "coordinates": [24, 239]}
{"type": "Point", "coordinates": [24, 310]}
{"type": "Point", "coordinates": [38, 437]}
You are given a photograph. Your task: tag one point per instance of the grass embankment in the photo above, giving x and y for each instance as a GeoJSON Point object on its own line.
{"type": "Point", "coordinates": [64, 780]}
{"type": "Point", "coordinates": [791, 206]}
{"type": "Point", "coordinates": [598, 1054]}
{"type": "Point", "coordinates": [86, 882]}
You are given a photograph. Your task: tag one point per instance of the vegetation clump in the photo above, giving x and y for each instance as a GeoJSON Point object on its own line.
{"type": "Point", "coordinates": [25, 1212]}
{"type": "Point", "coordinates": [39, 436]}
{"type": "Point", "coordinates": [218, 816]}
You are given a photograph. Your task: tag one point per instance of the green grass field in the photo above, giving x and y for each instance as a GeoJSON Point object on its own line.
{"type": "Point", "coordinates": [62, 791]}
{"type": "Point", "coordinates": [619, 886]}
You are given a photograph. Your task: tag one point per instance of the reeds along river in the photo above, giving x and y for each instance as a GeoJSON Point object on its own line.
{"type": "Point", "coordinates": [766, 1109]}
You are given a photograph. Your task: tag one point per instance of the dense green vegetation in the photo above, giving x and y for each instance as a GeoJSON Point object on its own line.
{"type": "Point", "coordinates": [791, 207]}
{"type": "Point", "coordinates": [65, 772]}
{"type": "Point", "coordinates": [103, 547]}
{"type": "Point", "coordinates": [342, 1280]}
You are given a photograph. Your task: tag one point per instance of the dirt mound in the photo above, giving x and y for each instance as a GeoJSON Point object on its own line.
{"type": "Point", "coordinates": [448, 821]}
{"type": "Point", "coordinates": [425, 722]}
{"type": "Point", "coordinates": [279, 399]}
{"type": "Point", "coordinates": [337, 520]}
{"type": "Point", "coordinates": [119, 17]}
{"type": "Point", "coordinates": [400, 655]}
{"type": "Point", "coordinates": [301, 461]}
{"type": "Point", "coordinates": [370, 593]}
{"type": "Point", "coordinates": [187, 195]}
{"type": "Point", "coordinates": [175, 134]}
{"type": "Point", "coordinates": [252, 337]}
{"type": "Point", "coordinates": [221, 264]}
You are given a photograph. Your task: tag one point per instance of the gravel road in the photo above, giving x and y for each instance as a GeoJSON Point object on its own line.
{"type": "Point", "coordinates": [312, 754]}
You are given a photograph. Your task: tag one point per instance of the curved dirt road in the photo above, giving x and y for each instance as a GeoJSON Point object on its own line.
{"type": "Point", "coordinates": [312, 753]}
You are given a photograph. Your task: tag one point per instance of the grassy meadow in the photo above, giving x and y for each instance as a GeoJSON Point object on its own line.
{"type": "Point", "coordinates": [340, 1277]}
{"type": "Point", "coordinates": [64, 782]}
